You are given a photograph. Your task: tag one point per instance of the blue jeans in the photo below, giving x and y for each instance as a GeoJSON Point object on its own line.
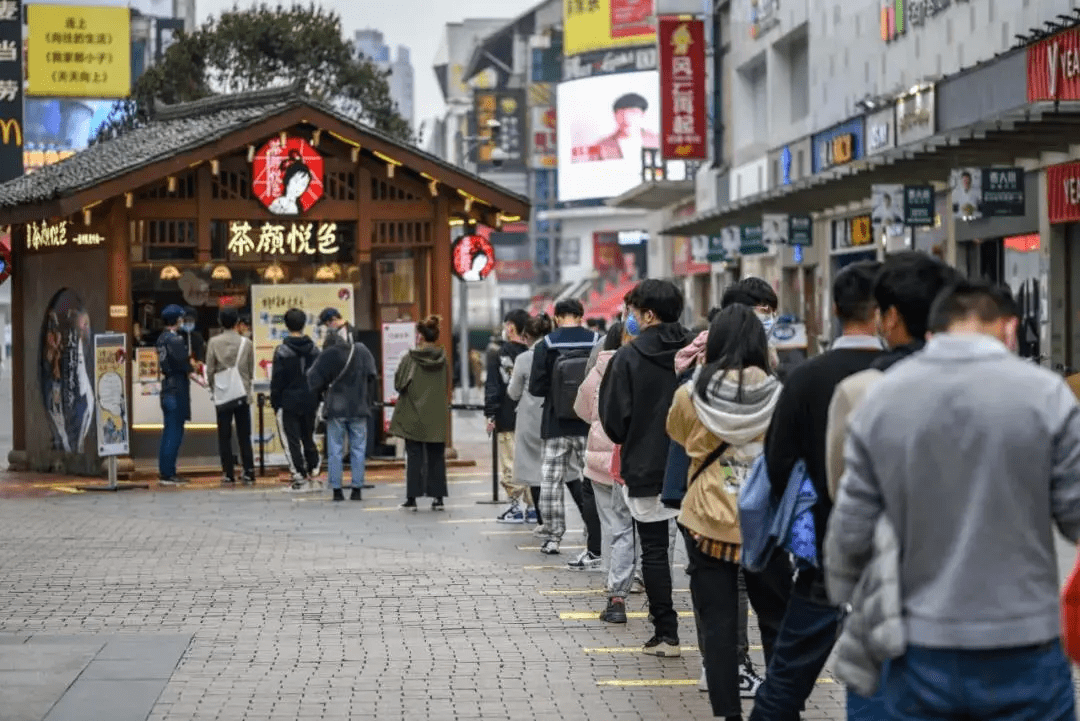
{"type": "Point", "coordinates": [807, 635]}
{"type": "Point", "coordinates": [861, 708]}
{"type": "Point", "coordinates": [1033, 683]}
{"type": "Point", "coordinates": [172, 435]}
{"type": "Point", "coordinates": [336, 429]}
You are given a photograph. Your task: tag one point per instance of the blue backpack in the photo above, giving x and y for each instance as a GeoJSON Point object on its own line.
{"type": "Point", "coordinates": [769, 525]}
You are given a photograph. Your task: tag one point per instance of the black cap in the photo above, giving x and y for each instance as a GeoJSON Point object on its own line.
{"type": "Point", "coordinates": [631, 100]}
{"type": "Point", "coordinates": [189, 312]}
{"type": "Point", "coordinates": [171, 313]}
{"type": "Point", "coordinates": [328, 315]}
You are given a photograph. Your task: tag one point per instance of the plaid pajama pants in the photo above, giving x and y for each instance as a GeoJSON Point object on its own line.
{"type": "Point", "coordinates": [563, 460]}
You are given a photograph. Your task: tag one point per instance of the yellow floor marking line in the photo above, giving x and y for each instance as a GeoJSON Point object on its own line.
{"type": "Point", "coordinates": [576, 592]}
{"type": "Point", "coordinates": [545, 568]}
{"type": "Point", "coordinates": [424, 507]}
{"type": "Point", "coordinates": [595, 615]}
{"type": "Point", "coordinates": [67, 489]}
{"type": "Point", "coordinates": [468, 520]}
{"type": "Point", "coordinates": [537, 548]}
{"type": "Point", "coordinates": [398, 496]}
{"type": "Point", "coordinates": [654, 682]}
{"type": "Point", "coordinates": [637, 649]}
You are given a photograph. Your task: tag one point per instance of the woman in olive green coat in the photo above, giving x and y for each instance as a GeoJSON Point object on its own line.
{"type": "Point", "coordinates": [420, 416]}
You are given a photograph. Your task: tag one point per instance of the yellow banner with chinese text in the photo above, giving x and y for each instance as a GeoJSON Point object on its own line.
{"type": "Point", "coordinates": [604, 24]}
{"type": "Point", "coordinates": [78, 51]}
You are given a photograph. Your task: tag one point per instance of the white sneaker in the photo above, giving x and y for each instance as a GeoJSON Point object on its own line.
{"type": "Point", "coordinates": [585, 562]}
{"type": "Point", "coordinates": [300, 486]}
{"type": "Point", "coordinates": [749, 681]}
{"type": "Point", "coordinates": [539, 532]}
{"type": "Point", "coordinates": [513, 514]}
{"type": "Point", "coordinates": [639, 584]}
{"type": "Point", "coordinates": [550, 548]}
{"type": "Point", "coordinates": [703, 684]}
{"type": "Point", "coordinates": [315, 485]}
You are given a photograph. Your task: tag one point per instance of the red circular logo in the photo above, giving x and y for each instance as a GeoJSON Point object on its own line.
{"type": "Point", "coordinates": [473, 257]}
{"type": "Point", "coordinates": [5, 263]}
{"type": "Point", "coordinates": [287, 177]}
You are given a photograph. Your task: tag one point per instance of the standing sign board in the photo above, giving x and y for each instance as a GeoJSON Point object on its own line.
{"type": "Point", "coordinates": [800, 230]}
{"type": "Point", "coordinates": [683, 83]}
{"type": "Point", "coordinates": [397, 340]}
{"type": "Point", "coordinates": [11, 89]}
{"type": "Point", "coordinates": [110, 381]}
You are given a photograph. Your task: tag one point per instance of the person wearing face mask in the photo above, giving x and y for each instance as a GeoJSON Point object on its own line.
{"type": "Point", "coordinates": [194, 339]}
{"type": "Point", "coordinates": [501, 413]}
{"type": "Point", "coordinates": [972, 455]}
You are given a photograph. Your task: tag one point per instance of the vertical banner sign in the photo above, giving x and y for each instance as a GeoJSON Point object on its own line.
{"type": "Point", "coordinates": [11, 89]}
{"type": "Point", "coordinates": [110, 378]}
{"type": "Point", "coordinates": [682, 98]}
{"type": "Point", "coordinates": [1002, 192]}
{"type": "Point", "coordinates": [397, 340]}
{"type": "Point", "coordinates": [800, 230]}
{"type": "Point", "coordinates": [753, 242]}
{"type": "Point", "coordinates": [919, 205]}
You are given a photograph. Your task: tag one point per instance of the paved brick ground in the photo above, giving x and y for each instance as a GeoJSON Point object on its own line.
{"type": "Point", "coordinates": [299, 608]}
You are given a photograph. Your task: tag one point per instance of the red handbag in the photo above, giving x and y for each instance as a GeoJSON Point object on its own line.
{"type": "Point", "coordinates": [1070, 614]}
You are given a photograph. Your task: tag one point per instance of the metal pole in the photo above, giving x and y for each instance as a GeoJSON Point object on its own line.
{"type": "Point", "coordinates": [261, 398]}
{"type": "Point", "coordinates": [495, 467]}
{"type": "Point", "coordinates": [463, 311]}
{"type": "Point", "coordinates": [112, 472]}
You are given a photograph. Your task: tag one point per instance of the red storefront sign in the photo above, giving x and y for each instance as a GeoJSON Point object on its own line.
{"type": "Point", "coordinates": [682, 96]}
{"type": "Point", "coordinates": [630, 18]}
{"type": "Point", "coordinates": [1063, 192]}
{"type": "Point", "coordinates": [606, 254]}
{"type": "Point", "coordinates": [1053, 67]}
{"type": "Point", "coordinates": [287, 176]}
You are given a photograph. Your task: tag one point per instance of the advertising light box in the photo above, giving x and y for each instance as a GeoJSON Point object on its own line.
{"type": "Point", "coordinates": [604, 124]}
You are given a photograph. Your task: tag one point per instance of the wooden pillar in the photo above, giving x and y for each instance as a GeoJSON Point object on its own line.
{"type": "Point", "coordinates": [443, 301]}
{"type": "Point", "coordinates": [363, 215]}
{"type": "Point", "coordinates": [119, 280]}
{"type": "Point", "coordinates": [19, 344]}
{"type": "Point", "coordinates": [203, 180]}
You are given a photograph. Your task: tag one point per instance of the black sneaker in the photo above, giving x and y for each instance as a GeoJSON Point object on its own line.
{"type": "Point", "coordinates": [228, 481]}
{"type": "Point", "coordinates": [248, 479]}
{"type": "Point", "coordinates": [410, 504]}
{"type": "Point", "coordinates": [437, 505]}
{"type": "Point", "coordinates": [615, 611]}
{"type": "Point", "coordinates": [355, 495]}
{"type": "Point", "coordinates": [339, 495]}
{"type": "Point", "coordinates": [662, 647]}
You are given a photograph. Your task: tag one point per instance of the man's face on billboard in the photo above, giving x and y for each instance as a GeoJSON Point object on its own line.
{"type": "Point", "coordinates": [630, 120]}
{"type": "Point", "coordinates": [965, 180]}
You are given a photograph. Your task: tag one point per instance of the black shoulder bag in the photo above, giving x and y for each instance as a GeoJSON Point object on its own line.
{"type": "Point", "coordinates": [710, 459]}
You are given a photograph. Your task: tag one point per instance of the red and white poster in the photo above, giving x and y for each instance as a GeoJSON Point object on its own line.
{"type": "Point", "coordinates": [287, 177]}
{"type": "Point", "coordinates": [1053, 67]}
{"type": "Point", "coordinates": [472, 257]}
{"type": "Point", "coordinates": [630, 18]}
{"type": "Point", "coordinates": [683, 127]}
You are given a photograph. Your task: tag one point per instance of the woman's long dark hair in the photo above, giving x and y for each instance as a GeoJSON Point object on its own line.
{"type": "Point", "coordinates": [737, 341]}
{"type": "Point", "coordinates": [613, 339]}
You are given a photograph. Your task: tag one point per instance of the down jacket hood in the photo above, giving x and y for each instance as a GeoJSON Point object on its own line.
{"type": "Point", "coordinates": [737, 417]}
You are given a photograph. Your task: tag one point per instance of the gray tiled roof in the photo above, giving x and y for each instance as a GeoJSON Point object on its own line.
{"type": "Point", "coordinates": [176, 129]}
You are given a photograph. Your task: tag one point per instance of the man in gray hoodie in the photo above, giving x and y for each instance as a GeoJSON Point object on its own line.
{"type": "Point", "coordinates": [971, 454]}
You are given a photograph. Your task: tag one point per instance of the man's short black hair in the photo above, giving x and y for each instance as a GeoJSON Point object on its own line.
{"type": "Point", "coordinates": [965, 174]}
{"type": "Point", "coordinates": [245, 319]}
{"type": "Point", "coordinates": [853, 292]}
{"type": "Point", "coordinates": [295, 320]}
{"type": "Point", "coordinates": [630, 100]}
{"type": "Point", "coordinates": [228, 317]}
{"type": "Point", "coordinates": [910, 282]}
{"type": "Point", "coordinates": [662, 297]}
{"type": "Point", "coordinates": [760, 291]}
{"type": "Point", "coordinates": [571, 307]}
{"type": "Point", "coordinates": [190, 312]}
{"type": "Point", "coordinates": [972, 299]}
{"type": "Point", "coordinates": [517, 318]}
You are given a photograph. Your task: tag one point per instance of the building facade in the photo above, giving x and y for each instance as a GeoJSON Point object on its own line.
{"type": "Point", "coordinates": [371, 44]}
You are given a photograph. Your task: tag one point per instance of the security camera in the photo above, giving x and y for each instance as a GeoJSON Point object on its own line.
{"type": "Point", "coordinates": [498, 157]}
{"type": "Point", "coordinates": [493, 123]}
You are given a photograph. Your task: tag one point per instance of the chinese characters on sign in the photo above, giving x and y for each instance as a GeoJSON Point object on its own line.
{"type": "Point", "coordinates": [507, 108]}
{"type": "Point", "coordinates": [1002, 192]}
{"type": "Point", "coordinates": [280, 239]}
{"type": "Point", "coordinates": [603, 24]}
{"type": "Point", "coordinates": [76, 51]}
{"type": "Point", "coordinates": [11, 90]}
{"type": "Point", "coordinates": [919, 205]}
{"type": "Point", "coordinates": [682, 77]}
{"type": "Point", "coordinates": [55, 235]}
{"type": "Point", "coordinates": [287, 177]}
{"type": "Point", "coordinates": [110, 372]}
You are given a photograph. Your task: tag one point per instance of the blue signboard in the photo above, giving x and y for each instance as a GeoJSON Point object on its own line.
{"type": "Point", "coordinates": [839, 145]}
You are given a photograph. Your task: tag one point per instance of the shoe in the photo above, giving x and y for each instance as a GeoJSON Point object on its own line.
{"type": "Point", "coordinates": [228, 481]}
{"type": "Point", "coordinates": [438, 505]}
{"type": "Point", "coordinates": [703, 684]}
{"type": "Point", "coordinates": [539, 532]}
{"type": "Point", "coordinates": [585, 562]}
{"type": "Point", "coordinates": [749, 681]}
{"type": "Point", "coordinates": [512, 514]}
{"type": "Point", "coordinates": [662, 647]}
{"type": "Point", "coordinates": [410, 505]}
{"type": "Point", "coordinates": [615, 611]}
{"type": "Point", "coordinates": [339, 495]}
{"type": "Point", "coordinates": [173, 481]}
{"type": "Point", "coordinates": [355, 495]}
{"type": "Point", "coordinates": [248, 479]}
{"type": "Point", "coordinates": [315, 485]}
{"type": "Point", "coordinates": [639, 584]}
{"type": "Point", "coordinates": [300, 486]}
{"type": "Point", "coordinates": [550, 548]}
{"type": "Point", "coordinates": [530, 516]}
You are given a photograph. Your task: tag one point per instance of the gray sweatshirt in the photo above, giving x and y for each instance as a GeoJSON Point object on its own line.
{"type": "Point", "coordinates": [972, 454]}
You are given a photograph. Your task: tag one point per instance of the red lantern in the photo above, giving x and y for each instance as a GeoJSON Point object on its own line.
{"type": "Point", "coordinates": [473, 257]}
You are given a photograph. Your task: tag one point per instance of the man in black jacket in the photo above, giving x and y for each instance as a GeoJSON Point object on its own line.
{"type": "Point", "coordinates": [174, 363]}
{"type": "Point", "coordinates": [563, 434]}
{"type": "Point", "coordinates": [345, 376]}
{"type": "Point", "coordinates": [797, 433]}
{"type": "Point", "coordinates": [337, 328]}
{"type": "Point", "coordinates": [293, 402]}
{"type": "Point", "coordinates": [635, 397]}
{"type": "Point", "coordinates": [501, 413]}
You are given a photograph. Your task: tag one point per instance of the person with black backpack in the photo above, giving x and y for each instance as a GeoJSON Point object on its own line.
{"type": "Point", "coordinates": [635, 397]}
{"type": "Point", "coordinates": [559, 366]}
{"type": "Point", "coordinates": [293, 402]}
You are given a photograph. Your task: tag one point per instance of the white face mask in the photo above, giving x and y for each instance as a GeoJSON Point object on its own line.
{"type": "Point", "coordinates": [505, 335]}
{"type": "Point", "coordinates": [768, 320]}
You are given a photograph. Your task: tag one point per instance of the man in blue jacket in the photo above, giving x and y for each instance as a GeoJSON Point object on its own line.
{"type": "Point", "coordinates": [174, 364]}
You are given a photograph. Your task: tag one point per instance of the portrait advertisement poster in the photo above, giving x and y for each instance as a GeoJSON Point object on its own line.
{"type": "Point", "coordinates": [774, 229]}
{"type": "Point", "coordinates": [604, 125]}
{"type": "Point", "coordinates": [887, 210]}
{"type": "Point", "coordinates": [966, 191]}
{"type": "Point", "coordinates": [397, 340]}
{"type": "Point", "coordinates": [110, 380]}
{"type": "Point", "coordinates": [269, 303]}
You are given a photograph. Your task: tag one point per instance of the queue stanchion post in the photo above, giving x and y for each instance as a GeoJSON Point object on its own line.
{"type": "Point", "coordinates": [261, 401]}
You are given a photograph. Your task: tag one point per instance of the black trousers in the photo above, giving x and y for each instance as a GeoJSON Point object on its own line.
{"type": "Point", "coordinates": [656, 571]}
{"type": "Point", "coordinates": [714, 591]}
{"type": "Point", "coordinates": [240, 414]}
{"type": "Point", "coordinates": [425, 469]}
{"type": "Point", "coordinates": [534, 491]}
{"type": "Point", "coordinates": [591, 517]}
{"type": "Point", "coordinates": [299, 432]}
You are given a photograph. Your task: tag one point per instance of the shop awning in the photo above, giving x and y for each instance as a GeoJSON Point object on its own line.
{"type": "Point", "coordinates": [1024, 132]}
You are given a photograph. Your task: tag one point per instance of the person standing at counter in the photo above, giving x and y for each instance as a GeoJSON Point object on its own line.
{"type": "Point", "coordinates": [175, 365]}
{"type": "Point", "coordinates": [227, 351]}
{"type": "Point", "coordinates": [336, 326]}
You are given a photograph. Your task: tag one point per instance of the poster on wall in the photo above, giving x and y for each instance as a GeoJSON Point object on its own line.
{"type": "Point", "coordinates": [12, 128]}
{"type": "Point", "coordinates": [800, 230]}
{"type": "Point", "coordinates": [110, 379]}
{"type": "Point", "coordinates": [919, 205]}
{"type": "Point", "coordinates": [774, 230]}
{"type": "Point", "coordinates": [604, 124]}
{"type": "Point", "coordinates": [887, 210]}
{"type": "Point", "coordinates": [1002, 192]}
{"type": "Point", "coordinates": [147, 372]}
{"type": "Point", "coordinates": [64, 372]}
{"type": "Point", "coordinates": [966, 185]}
{"type": "Point", "coordinates": [90, 59]}
{"type": "Point", "coordinates": [604, 24]}
{"type": "Point", "coordinates": [269, 303]}
{"type": "Point", "coordinates": [287, 177]}
{"type": "Point", "coordinates": [397, 340]}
